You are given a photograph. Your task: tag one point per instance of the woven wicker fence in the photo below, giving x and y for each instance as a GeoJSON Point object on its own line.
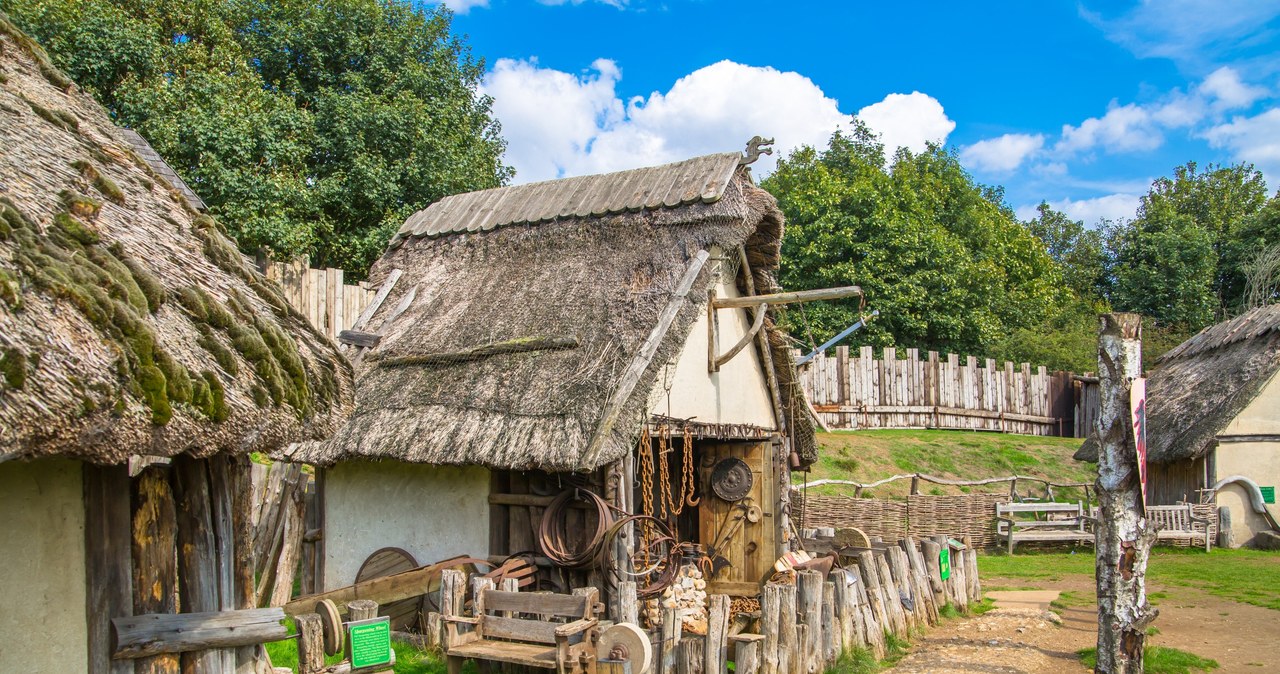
{"type": "Point", "coordinates": [920, 515]}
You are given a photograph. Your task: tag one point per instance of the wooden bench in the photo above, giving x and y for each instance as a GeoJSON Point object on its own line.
{"type": "Point", "coordinates": [1178, 523]}
{"type": "Point", "coordinates": [562, 636]}
{"type": "Point", "coordinates": [1042, 522]}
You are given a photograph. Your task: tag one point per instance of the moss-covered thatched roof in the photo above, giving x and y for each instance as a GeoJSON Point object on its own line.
{"type": "Point", "coordinates": [1198, 387]}
{"type": "Point", "coordinates": [129, 323]}
{"type": "Point", "coordinates": [585, 266]}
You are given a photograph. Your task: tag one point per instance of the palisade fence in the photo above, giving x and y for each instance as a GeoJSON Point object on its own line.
{"type": "Point", "coordinates": [320, 294]}
{"type": "Point", "coordinates": [861, 391]}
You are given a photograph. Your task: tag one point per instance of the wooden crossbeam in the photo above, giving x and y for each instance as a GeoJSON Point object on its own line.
{"type": "Point", "coordinates": [788, 298]}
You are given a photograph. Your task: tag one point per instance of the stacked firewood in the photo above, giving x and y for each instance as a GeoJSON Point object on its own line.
{"type": "Point", "coordinates": [688, 594]}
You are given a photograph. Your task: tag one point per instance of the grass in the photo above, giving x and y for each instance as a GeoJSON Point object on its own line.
{"type": "Point", "coordinates": [867, 456]}
{"type": "Point", "coordinates": [409, 660]}
{"type": "Point", "coordinates": [1160, 660]}
{"type": "Point", "coordinates": [1245, 576]}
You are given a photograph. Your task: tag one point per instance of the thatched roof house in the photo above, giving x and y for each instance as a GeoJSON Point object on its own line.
{"type": "Point", "coordinates": [1213, 411]}
{"type": "Point", "coordinates": [129, 327]}
{"type": "Point", "coordinates": [543, 327]}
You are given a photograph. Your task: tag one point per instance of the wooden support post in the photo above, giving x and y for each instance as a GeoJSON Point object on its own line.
{"type": "Point", "coordinates": [893, 603]}
{"type": "Point", "coordinates": [971, 570]}
{"type": "Point", "coordinates": [668, 648]}
{"type": "Point", "coordinates": [198, 576]}
{"type": "Point", "coordinates": [310, 643]}
{"type": "Point", "coordinates": [747, 659]}
{"type": "Point", "coordinates": [830, 628]}
{"type": "Point", "coordinates": [787, 653]}
{"type": "Point", "coordinates": [108, 583]}
{"type": "Point", "coordinates": [453, 585]}
{"type": "Point", "coordinates": [155, 569]}
{"type": "Point", "coordinates": [809, 605]}
{"type": "Point", "coordinates": [875, 596]}
{"type": "Point", "coordinates": [842, 620]}
{"type": "Point", "coordinates": [770, 601]}
{"type": "Point", "coordinates": [717, 641]}
{"type": "Point", "coordinates": [690, 656]}
{"type": "Point", "coordinates": [802, 655]}
{"type": "Point", "coordinates": [872, 629]}
{"type": "Point", "coordinates": [895, 559]}
{"type": "Point", "coordinates": [1122, 537]}
{"type": "Point", "coordinates": [628, 608]}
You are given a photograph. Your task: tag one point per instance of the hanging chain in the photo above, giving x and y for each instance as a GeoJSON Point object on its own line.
{"type": "Point", "coordinates": [646, 489]}
{"type": "Point", "coordinates": [688, 499]}
{"type": "Point", "coordinates": [664, 476]}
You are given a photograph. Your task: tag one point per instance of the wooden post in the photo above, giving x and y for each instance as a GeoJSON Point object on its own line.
{"type": "Point", "coordinates": [787, 652]}
{"type": "Point", "coordinates": [971, 570]}
{"type": "Point", "coordinates": [803, 645]}
{"type": "Point", "coordinates": [242, 504]}
{"type": "Point", "coordinates": [668, 651]}
{"type": "Point", "coordinates": [770, 601]}
{"type": "Point", "coordinates": [809, 605]}
{"type": "Point", "coordinates": [1226, 538]}
{"type": "Point", "coordinates": [896, 561]}
{"type": "Point", "coordinates": [628, 609]}
{"type": "Point", "coordinates": [717, 641]}
{"type": "Point", "coordinates": [453, 585]}
{"type": "Point", "coordinates": [108, 585]}
{"type": "Point", "coordinates": [747, 659]}
{"type": "Point", "coordinates": [360, 609]}
{"type": "Point", "coordinates": [690, 656]}
{"type": "Point", "coordinates": [842, 623]}
{"type": "Point", "coordinates": [155, 569]}
{"type": "Point", "coordinates": [893, 603]}
{"type": "Point", "coordinates": [830, 628]}
{"type": "Point", "coordinates": [875, 596]}
{"type": "Point", "coordinates": [873, 630]}
{"type": "Point", "coordinates": [1122, 537]}
{"type": "Point", "coordinates": [310, 643]}
{"type": "Point", "coordinates": [198, 576]}
{"type": "Point", "coordinates": [930, 551]}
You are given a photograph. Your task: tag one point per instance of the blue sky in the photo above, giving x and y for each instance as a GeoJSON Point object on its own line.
{"type": "Point", "coordinates": [1080, 104]}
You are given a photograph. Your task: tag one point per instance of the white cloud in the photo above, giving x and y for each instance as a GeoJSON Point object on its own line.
{"type": "Point", "coordinates": [1194, 32]}
{"type": "Point", "coordinates": [1228, 91]}
{"type": "Point", "coordinates": [464, 6]}
{"type": "Point", "coordinates": [559, 124]}
{"type": "Point", "coordinates": [620, 4]}
{"type": "Point", "coordinates": [1089, 211]}
{"type": "Point", "coordinates": [1122, 129]}
{"type": "Point", "coordinates": [1252, 139]}
{"type": "Point", "coordinates": [908, 120]}
{"type": "Point", "coordinates": [1001, 154]}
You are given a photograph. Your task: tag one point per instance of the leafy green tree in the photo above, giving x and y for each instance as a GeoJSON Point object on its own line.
{"type": "Point", "coordinates": [941, 257]}
{"type": "Point", "coordinates": [1181, 259]}
{"type": "Point", "coordinates": [309, 128]}
{"type": "Point", "coordinates": [1079, 250]}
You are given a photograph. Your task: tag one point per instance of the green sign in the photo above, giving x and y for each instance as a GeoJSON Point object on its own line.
{"type": "Point", "coordinates": [370, 642]}
{"type": "Point", "coordinates": [1268, 494]}
{"type": "Point", "coordinates": [944, 562]}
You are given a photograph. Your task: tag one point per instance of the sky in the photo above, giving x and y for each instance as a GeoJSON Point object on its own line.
{"type": "Point", "coordinates": [1081, 104]}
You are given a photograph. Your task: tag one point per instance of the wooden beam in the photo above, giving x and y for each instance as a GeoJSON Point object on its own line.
{"type": "Point", "coordinates": [155, 566]}
{"type": "Point", "coordinates": [383, 291]}
{"type": "Point", "coordinates": [383, 590]}
{"type": "Point", "coordinates": [197, 553]}
{"type": "Point", "coordinates": [788, 298]}
{"type": "Point", "coordinates": [364, 340]}
{"type": "Point", "coordinates": [156, 633]}
{"type": "Point", "coordinates": [631, 376]}
{"type": "Point", "coordinates": [746, 339]}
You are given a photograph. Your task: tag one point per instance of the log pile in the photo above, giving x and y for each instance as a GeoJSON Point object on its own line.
{"type": "Point", "coordinates": [688, 595]}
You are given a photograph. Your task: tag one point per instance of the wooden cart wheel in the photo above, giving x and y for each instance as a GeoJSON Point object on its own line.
{"type": "Point", "coordinates": [385, 562]}
{"type": "Point", "coordinates": [331, 621]}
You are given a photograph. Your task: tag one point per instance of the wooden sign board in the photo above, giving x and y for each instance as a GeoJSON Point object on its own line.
{"type": "Point", "coordinates": [944, 562]}
{"type": "Point", "coordinates": [1138, 413]}
{"type": "Point", "coordinates": [370, 642]}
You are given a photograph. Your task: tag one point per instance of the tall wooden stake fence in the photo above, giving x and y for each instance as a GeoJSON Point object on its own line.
{"type": "Point", "coordinates": [860, 391]}
{"type": "Point", "coordinates": [803, 626]}
{"type": "Point", "coordinates": [321, 295]}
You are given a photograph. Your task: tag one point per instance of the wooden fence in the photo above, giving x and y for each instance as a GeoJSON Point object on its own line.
{"type": "Point", "coordinates": [938, 392]}
{"type": "Point", "coordinates": [921, 515]}
{"type": "Point", "coordinates": [320, 294]}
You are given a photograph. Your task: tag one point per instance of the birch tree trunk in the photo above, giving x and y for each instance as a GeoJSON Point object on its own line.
{"type": "Point", "coordinates": [1122, 537]}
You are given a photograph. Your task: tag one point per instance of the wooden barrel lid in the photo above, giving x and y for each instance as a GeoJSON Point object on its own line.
{"type": "Point", "coordinates": [385, 562]}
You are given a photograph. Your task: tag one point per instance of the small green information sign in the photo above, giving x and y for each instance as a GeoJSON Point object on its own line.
{"type": "Point", "coordinates": [944, 562]}
{"type": "Point", "coordinates": [1268, 494]}
{"type": "Point", "coordinates": [370, 642]}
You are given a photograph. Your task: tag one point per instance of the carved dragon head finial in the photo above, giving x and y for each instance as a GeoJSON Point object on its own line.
{"type": "Point", "coordinates": [757, 146]}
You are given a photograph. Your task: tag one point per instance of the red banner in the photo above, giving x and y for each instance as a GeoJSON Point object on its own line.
{"type": "Point", "coordinates": [1138, 413]}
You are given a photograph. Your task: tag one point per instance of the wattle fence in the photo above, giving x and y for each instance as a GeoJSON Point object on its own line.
{"type": "Point", "coordinates": [858, 390]}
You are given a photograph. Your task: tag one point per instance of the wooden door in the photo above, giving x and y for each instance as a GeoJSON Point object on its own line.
{"type": "Point", "coordinates": [750, 551]}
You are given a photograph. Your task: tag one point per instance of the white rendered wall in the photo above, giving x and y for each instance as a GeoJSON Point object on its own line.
{"type": "Point", "coordinates": [432, 512]}
{"type": "Point", "coordinates": [1258, 461]}
{"type": "Point", "coordinates": [737, 394]}
{"type": "Point", "coordinates": [42, 567]}
{"type": "Point", "coordinates": [1260, 417]}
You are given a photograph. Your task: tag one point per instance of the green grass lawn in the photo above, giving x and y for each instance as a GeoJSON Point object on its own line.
{"type": "Point", "coordinates": [409, 659]}
{"type": "Point", "coordinates": [1160, 660]}
{"type": "Point", "coordinates": [1246, 576]}
{"type": "Point", "coordinates": [867, 456]}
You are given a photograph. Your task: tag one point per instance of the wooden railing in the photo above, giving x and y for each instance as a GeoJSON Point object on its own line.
{"type": "Point", "coordinates": [321, 294]}
{"type": "Point", "coordinates": [861, 391]}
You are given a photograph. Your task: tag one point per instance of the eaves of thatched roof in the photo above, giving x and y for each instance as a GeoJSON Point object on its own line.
{"type": "Point", "coordinates": [129, 323]}
{"type": "Point", "coordinates": [161, 167]}
{"type": "Point", "coordinates": [1201, 385]}
{"type": "Point", "coordinates": [586, 262]}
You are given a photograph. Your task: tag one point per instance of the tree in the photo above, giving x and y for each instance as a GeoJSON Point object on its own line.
{"type": "Point", "coordinates": [1182, 258]}
{"type": "Point", "coordinates": [941, 257]}
{"type": "Point", "coordinates": [1080, 251]}
{"type": "Point", "coordinates": [309, 128]}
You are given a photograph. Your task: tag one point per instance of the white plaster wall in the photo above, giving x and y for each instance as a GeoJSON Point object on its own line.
{"type": "Point", "coordinates": [1260, 417]}
{"type": "Point", "coordinates": [42, 567]}
{"type": "Point", "coordinates": [432, 512]}
{"type": "Point", "coordinates": [1258, 461]}
{"type": "Point", "coordinates": [737, 394]}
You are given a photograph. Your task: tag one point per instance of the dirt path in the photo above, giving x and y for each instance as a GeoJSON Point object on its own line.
{"type": "Point", "coordinates": [1023, 640]}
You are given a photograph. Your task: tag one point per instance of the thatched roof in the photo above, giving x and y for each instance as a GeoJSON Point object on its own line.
{"type": "Point", "coordinates": [590, 262]}
{"type": "Point", "coordinates": [129, 323]}
{"type": "Point", "coordinates": [1198, 387]}
{"type": "Point", "coordinates": [161, 167]}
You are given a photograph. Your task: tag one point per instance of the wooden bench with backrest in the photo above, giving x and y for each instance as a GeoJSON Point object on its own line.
{"type": "Point", "coordinates": [1042, 522]}
{"type": "Point", "coordinates": [1179, 523]}
{"type": "Point", "coordinates": [540, 630]}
